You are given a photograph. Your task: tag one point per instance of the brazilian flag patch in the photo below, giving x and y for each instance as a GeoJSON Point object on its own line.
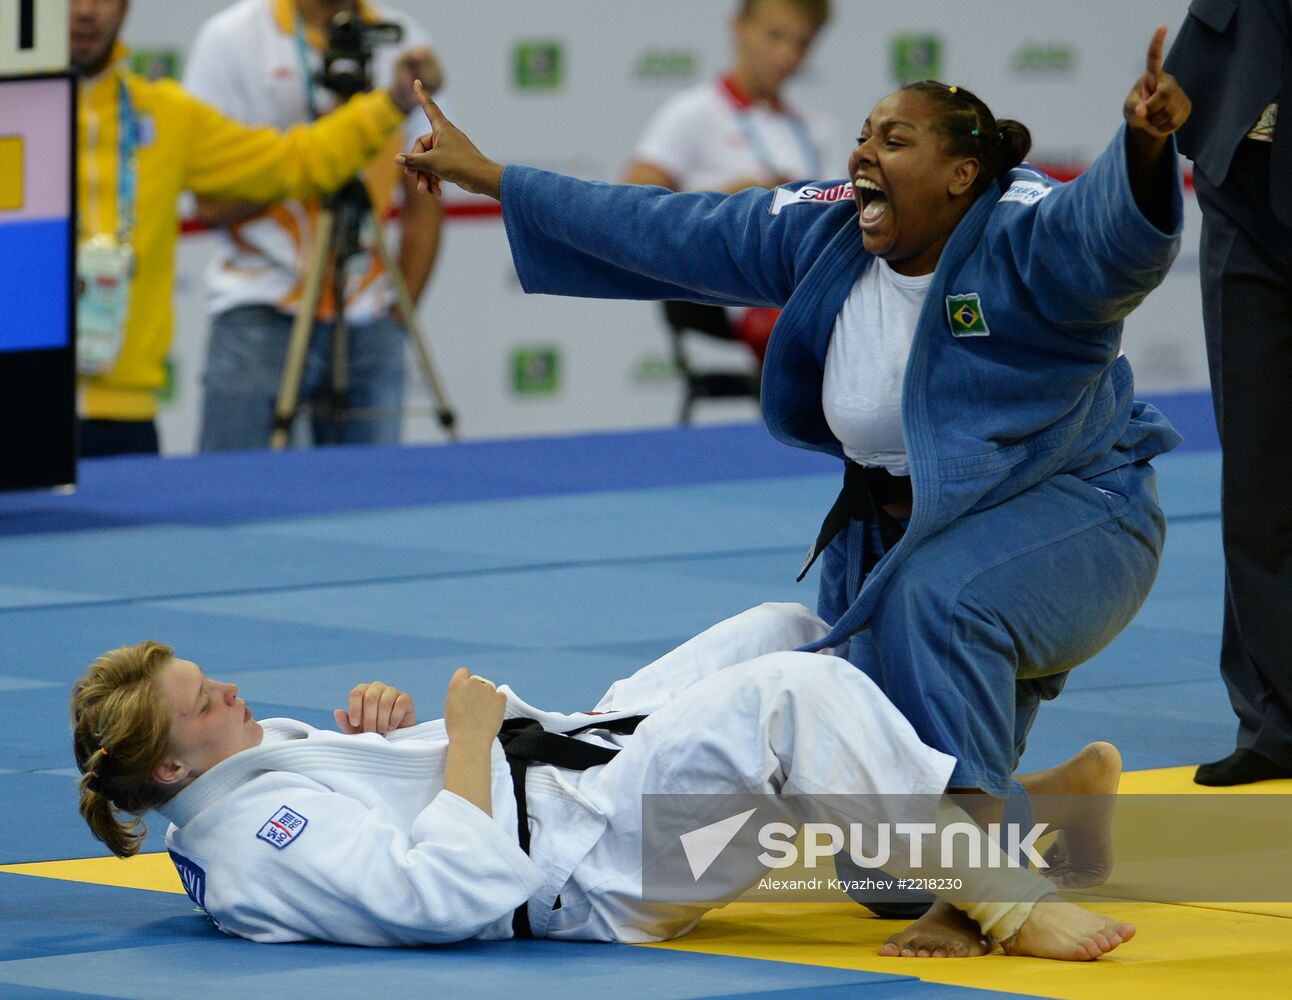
{"type": "Point", "coordinates": [964, 312]}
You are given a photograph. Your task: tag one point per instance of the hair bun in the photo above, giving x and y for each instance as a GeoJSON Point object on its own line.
{"type": "Point", "coordinates": [1015, 143]}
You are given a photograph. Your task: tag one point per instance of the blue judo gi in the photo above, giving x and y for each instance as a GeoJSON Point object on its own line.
{"type": "Point", "coordinates": [1035, 532]}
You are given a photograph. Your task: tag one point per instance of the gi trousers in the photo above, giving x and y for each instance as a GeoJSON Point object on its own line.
{"type": "Point", "coordinates": [984, 620]}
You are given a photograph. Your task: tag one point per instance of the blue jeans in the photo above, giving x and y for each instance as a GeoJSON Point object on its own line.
{"type": "Point", "coordinates": [246, 353]}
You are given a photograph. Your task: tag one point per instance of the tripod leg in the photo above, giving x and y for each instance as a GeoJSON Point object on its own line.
{"type": "Point", "coordinates": [339, 399]}
{"type": "Point", "coordinates": [289, 391]}
{"type": "Point", "coordinates": [404, 302]}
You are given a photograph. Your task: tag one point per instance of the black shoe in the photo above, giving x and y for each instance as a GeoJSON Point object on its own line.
{"type": "Point", "coordinates": [1241, 767]}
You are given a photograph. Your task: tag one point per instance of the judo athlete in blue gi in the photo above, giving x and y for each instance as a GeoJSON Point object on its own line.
{"type": "Point", "coordinates": [391, 832]}
{"type": "Point", "coordinates": [951, 329]}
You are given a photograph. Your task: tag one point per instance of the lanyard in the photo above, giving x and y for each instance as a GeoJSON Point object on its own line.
{"type": "Point", "coordinates": [127, 147]}
{"type": "Point", "coordinates": [307, 71]}
{"type": "Point", "coordinates": [127, 166]}
{"type": "Point", "coordinates": [811, 156]}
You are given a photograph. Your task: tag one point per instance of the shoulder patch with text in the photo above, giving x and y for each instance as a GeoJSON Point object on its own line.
{"type": "Point", "coordinates": [1026, 192]}
{"type": "Point", "coordinates": [282, 827]}
{"type": "Point", "coordinates": [192, 876]}
{"type": "Point", "coordinates": [964, 312]}
{"type": "Point", "coordinates": [812, 194]}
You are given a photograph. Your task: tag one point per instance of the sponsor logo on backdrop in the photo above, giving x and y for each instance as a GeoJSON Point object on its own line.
{"type": "Point", "coordinates": [538, 65]}
{"type": "Point", "coordinates": [536, 371]}
{"type": "Point", "coordinates": [155, 64]}
{"type": "Point", "coordinates": [1044, 59]}
{"type": "Point", "coordinates": [916, 57]}
{"type": "Point", "coordinates": [653, 369]}
{"type": "Point", "coordinates": [666, 66]}
{"type": "Point", "coordinates": [13, 160]}
{"type": "Point", "coordinates": [169, 393]}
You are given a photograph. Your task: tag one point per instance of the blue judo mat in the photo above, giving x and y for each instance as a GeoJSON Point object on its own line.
{"type": "Point", "coordinates": [556, 565]}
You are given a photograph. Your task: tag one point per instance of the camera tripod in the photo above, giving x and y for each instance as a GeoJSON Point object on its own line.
{"type": "Point", "coordinates": [336, 240]}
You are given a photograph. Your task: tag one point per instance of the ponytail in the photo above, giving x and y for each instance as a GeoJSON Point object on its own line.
{"type": "Point", "coordinates": [970, 129]}
{"type": "Point", "coordinates": [1015, 143]}
{"type": "Point", "coordinates": [120, 732]}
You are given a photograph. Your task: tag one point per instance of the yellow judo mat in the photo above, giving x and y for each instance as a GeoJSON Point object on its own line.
{"type": "Point", "coordinates": [1179, 950]}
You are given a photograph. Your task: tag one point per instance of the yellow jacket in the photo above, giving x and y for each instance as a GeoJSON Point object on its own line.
{"type": "Point", "coordinates": [188, 145]}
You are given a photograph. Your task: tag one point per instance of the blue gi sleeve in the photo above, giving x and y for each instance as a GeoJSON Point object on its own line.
{"type": "Point", "coordinates": [624, 241]}
{"type": "Point", "coordinates": [1087, 252]}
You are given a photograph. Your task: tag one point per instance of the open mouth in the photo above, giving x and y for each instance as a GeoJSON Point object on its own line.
{"type": "Point", "coordinates": [872, 201]}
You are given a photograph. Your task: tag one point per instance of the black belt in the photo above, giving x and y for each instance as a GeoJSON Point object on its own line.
{"type": "Point", "coordinates": [865, 493]}
{"type": "Point", "coordinates": [526, 742]}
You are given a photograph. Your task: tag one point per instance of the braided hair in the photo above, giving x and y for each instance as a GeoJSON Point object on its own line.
{"type": "Point", "coordinates": [970, 129]}
{"type": "Point", "coordinates": [120, 731]}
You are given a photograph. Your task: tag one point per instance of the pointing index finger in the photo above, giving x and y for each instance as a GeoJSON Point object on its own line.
{"type": "Point", "coordinates": [1155, 47]}
{"type": "Point", "coordinates": [432, 111]}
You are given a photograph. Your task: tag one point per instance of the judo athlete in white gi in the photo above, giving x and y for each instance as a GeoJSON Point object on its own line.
{"type": "Point", "coordinates": [951, 330]}
{"type": "Point", "coordinates": [395, 833]}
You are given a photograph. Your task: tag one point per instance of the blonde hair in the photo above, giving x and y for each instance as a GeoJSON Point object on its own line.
{"type": "Point", "coordinates": [120, 732]}
{"type": "Point", "coordinates": [815, 11]}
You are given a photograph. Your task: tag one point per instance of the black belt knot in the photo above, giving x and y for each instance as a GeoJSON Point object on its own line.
{"type": "Point", "coordinates": [866, 491]}
{"type": "Point", "coordinates": [526, 742]}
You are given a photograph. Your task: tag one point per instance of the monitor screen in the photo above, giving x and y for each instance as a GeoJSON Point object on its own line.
{"type": "Point", "coordinates": [37, 243]}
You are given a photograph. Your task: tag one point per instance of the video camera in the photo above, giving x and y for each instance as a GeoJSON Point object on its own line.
{"type": "Point", "coordinates": [350, 41]}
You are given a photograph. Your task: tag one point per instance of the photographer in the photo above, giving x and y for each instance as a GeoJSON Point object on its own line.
{"type": "Point", "coordinates": [140, 143]}
{"type": "Point", "coordinates": [266, 61]}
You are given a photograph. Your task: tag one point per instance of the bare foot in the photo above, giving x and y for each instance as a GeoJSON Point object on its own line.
{"type": "Point", "coordinates": [1076, 798]}
{"type": "Point", "coordinates": [943, 932]}
{"type": "Point", "coordinates": [1064, 931]}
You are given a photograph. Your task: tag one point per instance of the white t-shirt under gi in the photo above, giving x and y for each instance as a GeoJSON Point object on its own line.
{"type": "Point", "coordinates": [865, 364]}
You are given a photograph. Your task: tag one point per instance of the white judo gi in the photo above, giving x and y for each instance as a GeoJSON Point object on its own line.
{"type": "Point", "coordinates": [353, 839]}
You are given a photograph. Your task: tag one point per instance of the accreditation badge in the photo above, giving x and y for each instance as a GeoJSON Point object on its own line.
{"type": "Point", "coordinates": [103, 270]}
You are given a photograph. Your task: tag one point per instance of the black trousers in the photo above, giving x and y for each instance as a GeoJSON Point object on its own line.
{"type": "Point", "coordinates": [101, 438]}
{"type": "Point", "coordinates": [1247, 311]}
